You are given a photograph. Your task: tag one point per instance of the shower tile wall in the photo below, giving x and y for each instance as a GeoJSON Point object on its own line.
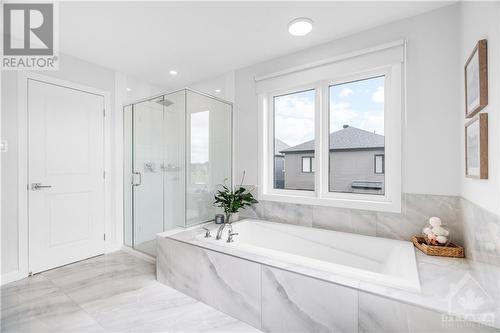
{"type": "Point", "coordinates": [470, 225]}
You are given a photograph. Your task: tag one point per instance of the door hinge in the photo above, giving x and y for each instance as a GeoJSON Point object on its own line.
{"type": "Point", "coordinates": [104, 236]}
{"type": "Point", "coordinates": [104, 174]}
{"type": "Point", "coordinates": [104, 113]}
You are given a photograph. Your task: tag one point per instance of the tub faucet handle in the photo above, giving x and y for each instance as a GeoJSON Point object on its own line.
{"type": "Point", "coordinates": [207, 232]}
{"type": "Point", "coordinates": [230, 236]}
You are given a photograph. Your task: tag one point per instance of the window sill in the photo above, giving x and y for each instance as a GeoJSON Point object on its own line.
{"type": "Point", "coordinates": [378, 203]}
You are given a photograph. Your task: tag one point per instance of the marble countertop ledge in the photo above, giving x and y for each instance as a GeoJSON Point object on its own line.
{"type": "Point", "coordinates": [447, 284]}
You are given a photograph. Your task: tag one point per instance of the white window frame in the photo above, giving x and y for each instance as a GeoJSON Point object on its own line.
{"type": "Point", "coordinates": [311, 159]}
{"type": "Point", "coordinates": [390, 201]}
{"type": "Point", "coordinates": [382, 156]}
{"type": "Point", "coordinates": [266, 188]}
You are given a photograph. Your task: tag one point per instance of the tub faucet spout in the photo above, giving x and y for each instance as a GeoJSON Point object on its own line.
{"type": "Point", "coordinates": [219, 231]}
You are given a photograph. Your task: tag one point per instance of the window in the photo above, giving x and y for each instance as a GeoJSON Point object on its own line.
{"type": "Point", "coordinates": [308, 164]}
{"type": "Point", "coordinates": [339, 136]}
{"type": "Point", "coordinates": [379, 164]}
{"type": "Point", "coordinates": [293, 115]}
{"type": "Point", "coordinates": [356, 133]}
{"type": "Point", "coordinates": [200, 147]}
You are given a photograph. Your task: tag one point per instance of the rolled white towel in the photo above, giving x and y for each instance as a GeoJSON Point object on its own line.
{"type": "Point", "coordinates": [442, 239]}
{"type": "Point", "coordinates": [435, 221]}
{"type": "Point", "coordinates": [439, 231]}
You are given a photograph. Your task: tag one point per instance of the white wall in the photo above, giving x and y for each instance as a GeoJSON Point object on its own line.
{"type": "Point", "coordinates": [9, 190]}
{"type": "Point", "coordinates": [224, 82]}
{"type": "Point", "coordinates": [83, 73]}
{"type": "Point", "coordinates": [480, 20]}
{"type": "Point", "coordinates": [430, 139]}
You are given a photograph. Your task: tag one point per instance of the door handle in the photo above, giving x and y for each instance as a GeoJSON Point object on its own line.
{"type": "Point", "coordinates": [133, 179]}
{"type": "Point", "coordinates": [39, 186]}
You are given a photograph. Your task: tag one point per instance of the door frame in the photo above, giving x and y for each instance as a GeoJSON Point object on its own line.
{"type": "Point", "coordinates": [23, 167]}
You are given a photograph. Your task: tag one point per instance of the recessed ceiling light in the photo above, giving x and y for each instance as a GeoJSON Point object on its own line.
{"type": "Point", "coordinates": [128, 89]}
{"type": "Point", "coordinates": [173, 72]}
{"type": "Point", "coordinates": [217, 90]}
{"type": "Point", "coordinates": [300, 26]}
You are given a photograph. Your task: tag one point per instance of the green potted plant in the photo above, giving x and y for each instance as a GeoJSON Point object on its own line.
{"type": "Point", "coordinates": [232, 200]}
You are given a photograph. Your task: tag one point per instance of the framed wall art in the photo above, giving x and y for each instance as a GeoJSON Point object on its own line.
{"type": "Point", "coordinates": [476, 80]}
{"type": "Point", "coordinates": [476, 147]}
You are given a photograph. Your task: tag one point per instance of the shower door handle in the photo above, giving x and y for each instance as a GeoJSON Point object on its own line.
{"type": "Point", "coordinates": [39, 186]}
{"type": "Point", "coordinates": [133, 178]}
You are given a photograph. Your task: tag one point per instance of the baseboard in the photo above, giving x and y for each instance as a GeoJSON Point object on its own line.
{"type": "Point", "coordinates": [108, 248]}
{"type": "Point", "coordinates": [138, 254]}
{"type": "Point", "coordinates": [11, 277]}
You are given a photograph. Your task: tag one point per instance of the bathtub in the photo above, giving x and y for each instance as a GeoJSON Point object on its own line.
{"type": "Point", "coordinates": [376, 260]}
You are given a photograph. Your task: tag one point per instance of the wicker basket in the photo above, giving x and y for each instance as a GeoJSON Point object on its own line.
{"type": "Point", "coordinates": [451, 250]}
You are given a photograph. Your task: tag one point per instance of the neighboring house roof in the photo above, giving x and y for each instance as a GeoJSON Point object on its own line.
{"type": "Point", "coordinates": [280, 146]}
{"type": "Point", "coordinates": [346, 138]}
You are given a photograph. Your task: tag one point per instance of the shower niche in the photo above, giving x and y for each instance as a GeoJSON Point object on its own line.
{"type": "Point", "coordinates": [177, 150]}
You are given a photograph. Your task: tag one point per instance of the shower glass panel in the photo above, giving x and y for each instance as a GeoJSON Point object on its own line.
{"type": "Point", "coordinates": [148, 150]}
{"type": "Point", "coordinates": [209, 150]}
{"type": "Point", "coordinates": [174, 161]}
{"type": "Point", "coordinates": [177, 149]}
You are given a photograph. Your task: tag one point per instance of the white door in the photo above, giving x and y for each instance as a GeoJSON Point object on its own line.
{"type": "Point", "coordinates": [66, 160]}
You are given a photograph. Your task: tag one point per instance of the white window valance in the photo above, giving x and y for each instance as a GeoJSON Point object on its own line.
{"type": "Point", "coordinates": [338, 66]}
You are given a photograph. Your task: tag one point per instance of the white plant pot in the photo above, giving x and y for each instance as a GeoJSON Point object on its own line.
{"type": "Point", "coordinates": [234, 217]}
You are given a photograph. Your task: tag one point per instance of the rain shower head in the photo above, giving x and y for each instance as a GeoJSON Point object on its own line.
{"type": "Point", "coordinates": [164, 102]}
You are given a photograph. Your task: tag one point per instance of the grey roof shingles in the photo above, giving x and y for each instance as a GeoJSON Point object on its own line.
{"type": "Point", "coordinates": [346, 138]}
{"type": "Point", "coordinates": [280, 146]}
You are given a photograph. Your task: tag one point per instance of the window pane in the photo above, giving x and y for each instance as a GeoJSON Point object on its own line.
{"type": "Point", "coordinates": [313, 166]}
{"type": "Point", "coordinates": [293, 137]}
{"type": "Point", "coordinates": [200, 143]}
{"type": "Point", "coordinates": [356, 135]}
{"type": "Point", "coordinates": [379, 163]}
{"type": "Point", "coordinates": [306, 164]}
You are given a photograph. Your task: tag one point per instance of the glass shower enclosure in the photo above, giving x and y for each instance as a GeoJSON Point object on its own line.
{"type": "Point", "coordinates": [177, 150]}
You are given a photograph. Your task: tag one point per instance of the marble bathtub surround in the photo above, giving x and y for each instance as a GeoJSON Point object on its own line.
{"type": "Point", "coordinates": [378, 314]}
{"type": "Point", "coordinates": [224, 282]}
{"type": "Point", "coordinates": [471, 226]}
{"type": "Point", "coordinates": [295, 303]}
{"type": "Point", "coordinates": [111, 293]}
{"type": "Point", "coordinates": [481, 233]}
{"type": "Point", "coordinates": [445, 282]}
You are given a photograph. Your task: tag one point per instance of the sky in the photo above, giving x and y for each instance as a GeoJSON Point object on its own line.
{"type": "Point", "coordinates": [359, 104]}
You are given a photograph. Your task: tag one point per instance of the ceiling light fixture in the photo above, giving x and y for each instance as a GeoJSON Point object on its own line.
{"type": "Point", "coordinates": [300, 26]}
{"type": "Point", "coordinates": [128, 89]}
{"type": "Point", "coordinates": [173, 72]}
{"type": "Point", "coordinates": [217, 90]}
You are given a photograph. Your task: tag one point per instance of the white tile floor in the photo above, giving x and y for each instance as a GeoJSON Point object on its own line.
{"type": "Point", "coordinates": [148, 247]}
{"type": "Point", "coordinates": [111, 293]}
